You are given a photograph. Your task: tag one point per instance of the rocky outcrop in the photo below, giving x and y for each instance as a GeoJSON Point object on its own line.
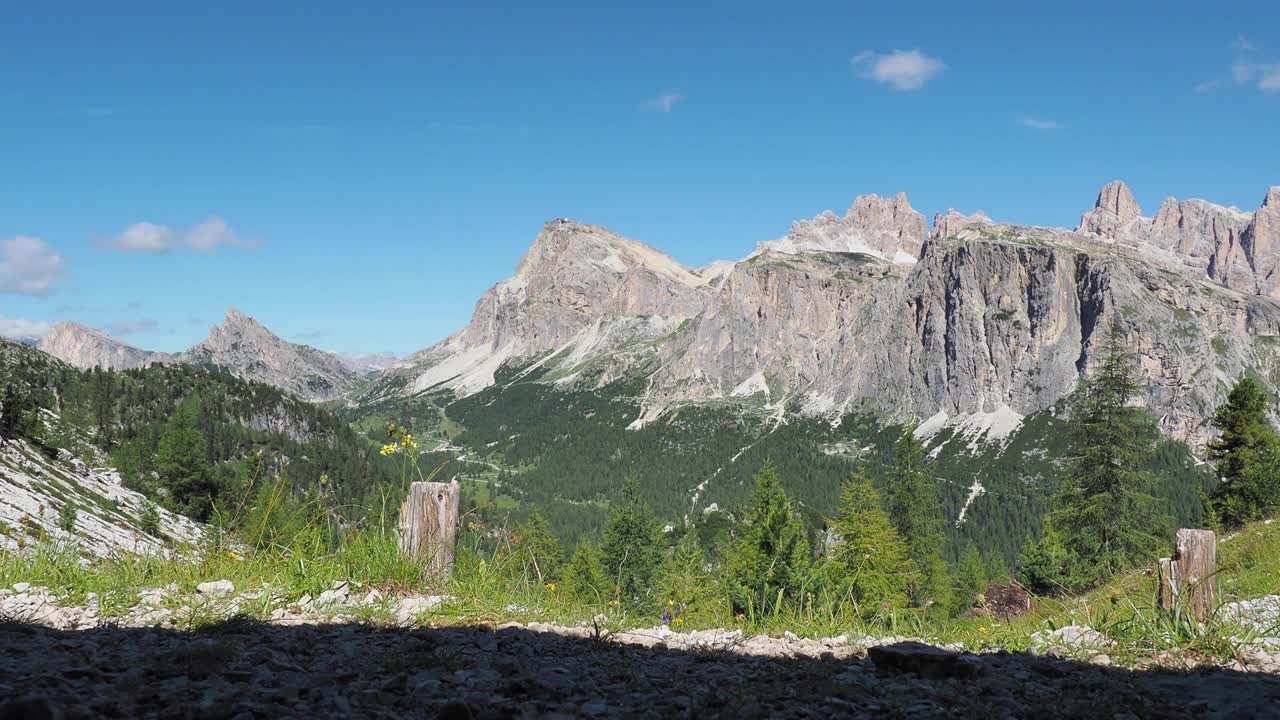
{"type": "Point", "coordinates": [1114, 213]}
{"type": "Point", "coordinates": [36, 486]}
{"type": "Point", "coordinates": [887, 228]}
{"type": "Point", "coordinates": [85, 347]}
{"type": "Point", "coordinates": [1236, 249]}
{"type": "Point", "coordinates": [1261, 243]}
{"type": "Point", "coordinates": [246, 349]}
{"type": "Point", "coordinates": [580, 292]}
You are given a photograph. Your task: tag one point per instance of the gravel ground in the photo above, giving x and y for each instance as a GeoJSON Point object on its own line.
{"type": "Point", "coordinates": [244, 669]}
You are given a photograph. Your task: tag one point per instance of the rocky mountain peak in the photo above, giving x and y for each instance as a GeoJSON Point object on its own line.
{"type": "Point", "coordinates": [236, 327]}
{"type": "Point", "coordinates": [85, 347]}
{"type": "Point", "coordinates": [1113, 214]}
{"type": "Point", "coordinates": [953, 223]}
{"type": "Point", "coordinates": [247, 349]}
{"type": "Point", "coordinates": [1273, 197]}
{"type": "Point", "coordinates": [886, 227]}
{"type": "Point", "coordinates": [1116, 198]}
{"type": "Point", "coordinates": [582, 248]}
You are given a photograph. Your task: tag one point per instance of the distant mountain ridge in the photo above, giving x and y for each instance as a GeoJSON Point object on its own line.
{"type": "Point", "coordinates": [241, 346]}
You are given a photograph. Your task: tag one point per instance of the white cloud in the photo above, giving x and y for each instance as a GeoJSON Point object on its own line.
{"type": "Point", "coordinates": [1039, 123]}
{"type": "Point", "coordinates": [1251, 66]}
{"type": "Point", "coordinates": [1208, 85]}
{"type": "Point", "coordinates": [663, 103]}
{"type": "Point", "coordinates": [1269, 79]}
{"type": "Point", "coordinates": [148, 237]}
{"type": "Point", "coordinates": [28, 266]}
{"type": "Point", "coordinates": [120, 328]}
{"type": "Point", "coordinates": [22, 328]}
{"type": "Point", "coordinates": [902, 69]}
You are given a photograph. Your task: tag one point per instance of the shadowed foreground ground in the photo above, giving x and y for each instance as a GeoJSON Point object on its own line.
{"type": "Point", "coordinates": [244, 669]}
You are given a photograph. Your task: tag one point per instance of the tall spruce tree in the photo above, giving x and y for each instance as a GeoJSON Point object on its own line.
{"type": "Point", "coordinates": [971, 578]}
{"type": "Point", "coordinates": [771, 559]}
{"type": "Point", "coordinates": [632, 546]}
{"type": "Point", "coordinates": [1103, 514]}
{"type": "Point", "coordinates": [870, 557]}
{"type": "Point", "coordinates": [182, 461]}
{"type": "Point", "coordinates": [1247, 453]}
{"type": "Point", "coordinates": [584, 577]}
{"type": "Point", "coordinates": [916, 513]}
{"type": "Point", "coordinates": [539, 549]}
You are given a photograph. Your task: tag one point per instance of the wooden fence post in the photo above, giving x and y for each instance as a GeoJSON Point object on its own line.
{"type": "Point", "coordinates": [1191, 575]}
{"type": "Point", "coordinates": [429, 525]}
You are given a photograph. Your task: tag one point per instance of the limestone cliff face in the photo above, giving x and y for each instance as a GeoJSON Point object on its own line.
{"type": "Point", "coordinates": [989, 322]}
{"type": "Point", "coordinates": [246, 349]}
{"type": "Point", "coordinates": [1239, 250]}
{"type": "Point", "coordinates": [85, 347]}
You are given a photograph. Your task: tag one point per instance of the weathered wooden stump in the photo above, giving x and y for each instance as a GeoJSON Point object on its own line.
{"type": "Point", "coordinates": [1191, 575]}
{"type": "Point", "coordinates": [429, 525]}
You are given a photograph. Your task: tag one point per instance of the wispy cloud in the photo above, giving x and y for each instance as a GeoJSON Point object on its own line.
{"type": "Point", "coordinates": [148, 237]}
{"type": "Point", "coordinates": [900, 69]}
{"type": "Point", "coordinates": [121, 328]}
{"type": "Point", "coordinates": [1040, 123]}
{"type": "Point", "coordinates": [1250, 66]}
{"type": "Point", "coordinates": [28, 266]}
{"type": "Point", "coordinates": [22, 328]}
{"type": "Point", "coordinates": [1243, 44]}
{"type": "Point", "coordinates": [663, 103]}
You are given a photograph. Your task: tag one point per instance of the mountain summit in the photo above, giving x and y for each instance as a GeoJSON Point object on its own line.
{"type": "Point", "coordinates": [86, 347]}
{"type": "Point", "coordinates": [246, 349]}
{"type": "Point", "coordinates": [241, 346]}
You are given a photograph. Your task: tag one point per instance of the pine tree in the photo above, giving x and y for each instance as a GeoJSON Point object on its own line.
{"type": "Point", "coordinates": [1103, 513]}
{"type": "Point", "coordinates": [916, 513]}
{"type": "Point", "coordinates": [583, 577]}
{"type": "Point", "coordinates": [15, 409]}
{"type": "Point", "coordinates": [685, 581]}
{"type": "Point", "coordinates": [1247, 453]}
{"type": "Point", "coordinates": [539, 549]}
{"type": "Point", "coordinates": [771, 559]}
{"type": "Point", "coordinates": [870, 557]}
{"type": "Point", "coordinates": [971, 578]}
{"type": "Point", "coordinates": [632, 546]}
{"type": "Point", "coordinates": [182, 461]}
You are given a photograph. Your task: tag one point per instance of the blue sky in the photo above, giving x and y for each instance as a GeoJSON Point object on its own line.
{"type": "Point", "coordinates": [356, 175]}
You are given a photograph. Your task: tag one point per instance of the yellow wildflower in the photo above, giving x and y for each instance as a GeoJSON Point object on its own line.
{"type": "Point", "coordinates": [671, 603]}
{"type": "Point", "coordinates": [407, 442]}
{"type": "Point", "coordinates": [679, 621]}
{"type": "Point", "coordinates": [982, 630]}
{"type": "Point", "coordinates": [233, 555]}
{"type": "Point", "coordinates": [551, 587]}
{"type": "Point", "coordinates": [324, 478]}
{"type": "Point", "coordinates": [389, 449]}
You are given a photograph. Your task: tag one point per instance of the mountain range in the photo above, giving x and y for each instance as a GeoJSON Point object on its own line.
{"type": "Point", "coordinates": [975, 320]}
{"type": "Point", "coordinates": [241, 346]}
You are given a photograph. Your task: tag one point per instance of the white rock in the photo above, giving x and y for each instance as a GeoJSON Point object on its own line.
{"type": "Point", "coordinates": [216, 588]}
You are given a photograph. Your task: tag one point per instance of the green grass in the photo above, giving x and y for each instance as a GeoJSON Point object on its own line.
{"type": "Point", "coordinates": [490, 585]}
